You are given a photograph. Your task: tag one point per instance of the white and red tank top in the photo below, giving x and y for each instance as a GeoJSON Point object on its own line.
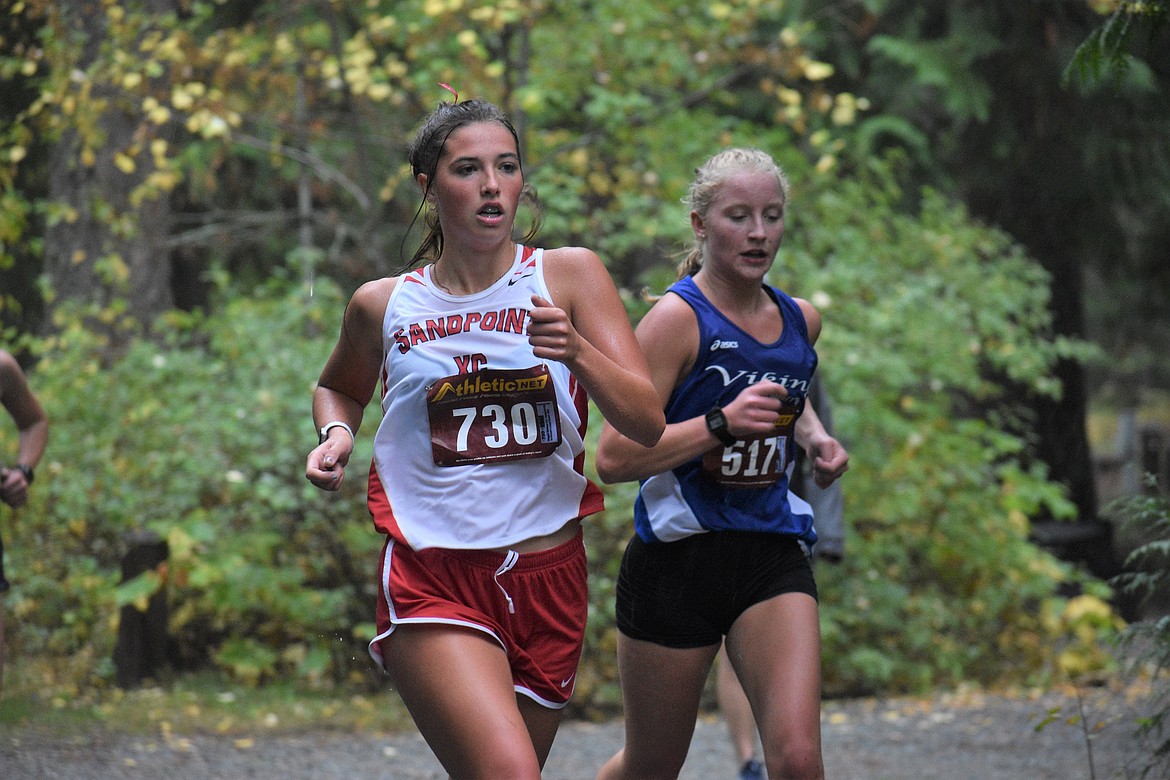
{"type": "Point", "coordinates": [481, 444]}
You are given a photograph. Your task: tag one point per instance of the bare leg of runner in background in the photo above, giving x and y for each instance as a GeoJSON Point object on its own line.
{"type": "Point", "coordinates": [737, 712]}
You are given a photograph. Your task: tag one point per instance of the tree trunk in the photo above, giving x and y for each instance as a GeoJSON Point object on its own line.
{"type": "Point", "coordinates": [114, 249]}
{"type": "Point", "coordinates": [1027, 171]}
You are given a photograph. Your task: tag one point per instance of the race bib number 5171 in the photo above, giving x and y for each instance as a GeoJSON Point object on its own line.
{"type": "Point", "coordinates": [752, 463]}
{"type": "Point", "coordinates": [493, 415]}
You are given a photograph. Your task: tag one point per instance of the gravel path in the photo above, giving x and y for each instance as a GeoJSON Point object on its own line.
{"type": "Point", "coordinates": [956, 737]}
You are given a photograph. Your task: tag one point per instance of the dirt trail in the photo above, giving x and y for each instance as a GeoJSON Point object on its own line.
{"type": "Point", "coordinates": [955, 737]}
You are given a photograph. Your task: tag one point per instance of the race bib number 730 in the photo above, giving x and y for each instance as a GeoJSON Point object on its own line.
{"type": "Point", "coordinates": [493, 415]}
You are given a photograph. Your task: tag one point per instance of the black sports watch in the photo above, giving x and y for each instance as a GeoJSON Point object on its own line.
{"type": "Point", "coordinates": [717, 424]}
{"type": "Point", "coordinates": [27, 470]}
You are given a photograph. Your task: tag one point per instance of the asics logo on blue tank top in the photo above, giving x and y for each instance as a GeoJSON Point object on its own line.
{"type": "Point", "coordinates": [717, 344]}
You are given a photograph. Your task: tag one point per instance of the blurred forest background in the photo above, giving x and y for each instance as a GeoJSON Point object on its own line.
{"type": "Point", "coordinates": [189, 191]}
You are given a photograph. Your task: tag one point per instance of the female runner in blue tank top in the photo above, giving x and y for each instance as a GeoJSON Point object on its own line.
{"type": "Point", "coordinates": [720, 544]}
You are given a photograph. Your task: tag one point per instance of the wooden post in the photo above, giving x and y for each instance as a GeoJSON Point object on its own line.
{"type": "Point", "coordinates": [141, 649]}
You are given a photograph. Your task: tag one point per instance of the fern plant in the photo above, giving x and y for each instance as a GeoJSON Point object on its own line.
{"type": "Point", "coordinates": [1147, 579]}
{"type": "Point", "coordinates": [1107, 51]}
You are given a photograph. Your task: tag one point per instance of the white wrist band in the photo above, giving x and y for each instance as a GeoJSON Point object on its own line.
{"type": "Point", "coordinates": [324, 432]}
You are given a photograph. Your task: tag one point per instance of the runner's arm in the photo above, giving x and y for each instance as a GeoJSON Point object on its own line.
{"type": "Point", "coordinates": [586, 327]}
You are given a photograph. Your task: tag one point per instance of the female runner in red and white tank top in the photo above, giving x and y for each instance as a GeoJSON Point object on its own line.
{"type": "Point", "coordinates": [486, 357]}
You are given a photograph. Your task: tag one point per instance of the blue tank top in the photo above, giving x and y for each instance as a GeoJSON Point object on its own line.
{"type": "Point", "coordinates": [745, 486]}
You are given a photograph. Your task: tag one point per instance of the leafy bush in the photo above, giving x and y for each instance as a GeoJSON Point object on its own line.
{"type": "Point", "coordinates": [198, 435]}
{"type": "Point", "coordinates": [931, 322]}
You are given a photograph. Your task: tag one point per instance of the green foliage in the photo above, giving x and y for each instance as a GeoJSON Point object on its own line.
{"type": "Point", "coordinates": [1143, 523]}
{"type": "Point", "coordinates": [200, 438]}
{"type": "Point", "coordinates": [927, 316]}
{"type": "Point", "coordinates": [944, 66]}
{"type": "Point", "coordinates": [1106, 53]}
{"type": "Point", "coordinates": [1148, 576]}
{"type": "Point", "coordinates": [979, 95]}
{"type": "Point", "coordinates": [237, 106]}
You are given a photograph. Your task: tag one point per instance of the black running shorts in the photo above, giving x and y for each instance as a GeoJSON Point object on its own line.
{"type": "Point", "coordinates": [688, 593]}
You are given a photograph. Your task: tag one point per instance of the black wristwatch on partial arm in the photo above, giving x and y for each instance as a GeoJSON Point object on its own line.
{"type": "Point", "coordinates": [27, 470]}
{"type": "Point", "coordinates": [717, 424]}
